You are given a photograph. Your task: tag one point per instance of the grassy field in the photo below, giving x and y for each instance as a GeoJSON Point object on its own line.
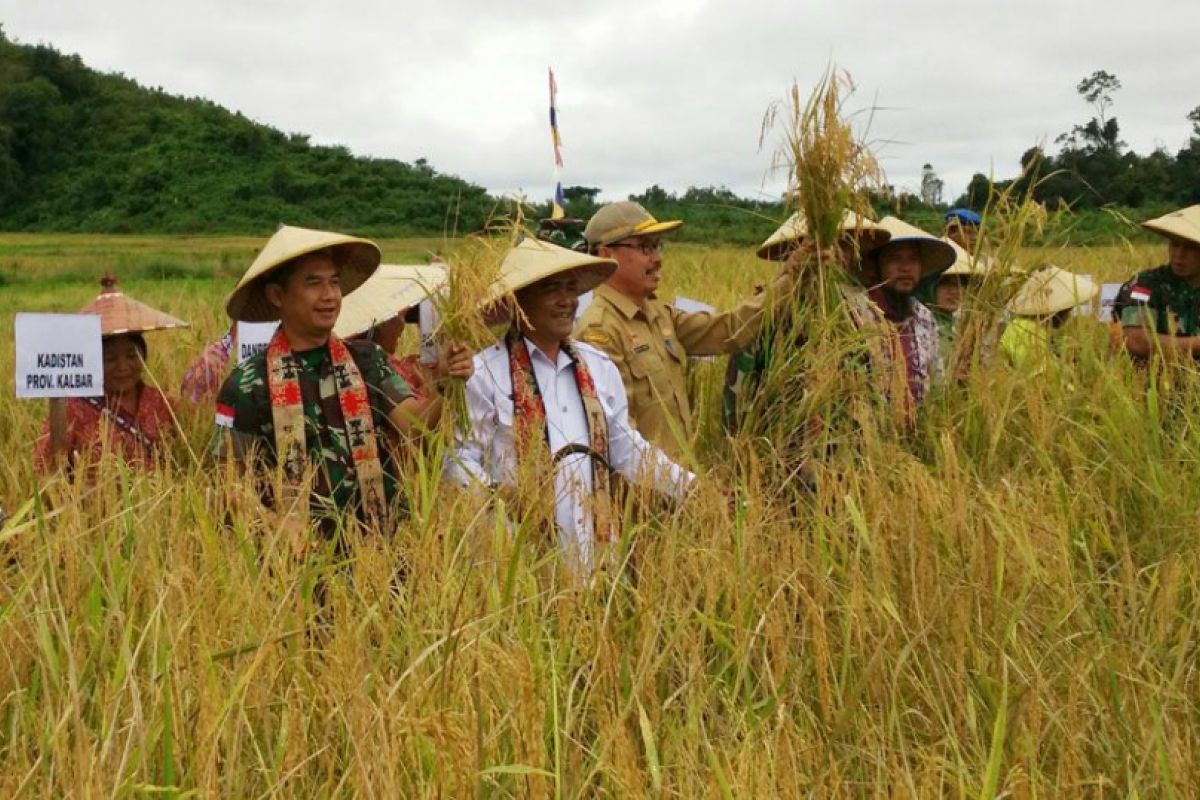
{"type": "Point", "coordinates": [1000, 603]}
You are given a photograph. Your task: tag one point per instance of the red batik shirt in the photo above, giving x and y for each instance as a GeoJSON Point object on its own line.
{"type": "Point", "coordinates": [91, 432]}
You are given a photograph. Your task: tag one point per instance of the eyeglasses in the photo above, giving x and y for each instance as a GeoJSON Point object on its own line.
{"type": "Point", "coordinates": [647, 248]}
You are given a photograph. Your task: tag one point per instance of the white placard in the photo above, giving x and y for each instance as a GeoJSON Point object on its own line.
{"type": "Point", "coordinates": [59, 355]}
{"type": "Point", "coordinates": [253, 338]}
{"type": "Point", "coordinates": [1108, 296]}
{"type": "Point", "coordinates": [427, 320]}
{"type": "Point", "coordinates": [690, 306]}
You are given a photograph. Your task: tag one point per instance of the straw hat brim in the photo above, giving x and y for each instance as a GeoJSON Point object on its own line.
{"type": "Point", "coordinates": [1183, 224]}
{"type": "Point", "coordinates": [936, 256]}
{"type": "Point", "coordinates": [533, 260]}
{"type": "Point", "coordinates": [385, 294]}
{"type": "Point", "coordinates": [794, 230]}
{"type": "Point", "coordinates": [965, 265]}
{"type": "Point", "coordinates": [120, 314]}
{"type": "Point", "coordinates": [1051, 290]}
{"type": "Point", "coordinates": [356, 258]}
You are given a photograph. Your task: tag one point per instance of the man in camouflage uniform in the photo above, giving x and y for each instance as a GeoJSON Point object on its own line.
{"type": "Point", "coordinates": [1162, 310]}
{"type": "Point", "coordinates": [299, 278]}
{"type": "Point", "coordinates": [245, 402]}
{"type": "Point", "coordinates": [565, 232]}
{"type": "Point", "coordinates": [649, 340]}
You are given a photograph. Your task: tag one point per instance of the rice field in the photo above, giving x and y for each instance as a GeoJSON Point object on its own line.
{"type": "Point", "coordinates": [1002, 602]}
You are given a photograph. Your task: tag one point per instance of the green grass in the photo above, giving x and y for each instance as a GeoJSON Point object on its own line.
{"type": "Point", "coordinates": [1001, 603]}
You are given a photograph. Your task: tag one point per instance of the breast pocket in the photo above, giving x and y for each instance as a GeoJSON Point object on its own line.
{"type": "Point", "coordinates": [646, 365]}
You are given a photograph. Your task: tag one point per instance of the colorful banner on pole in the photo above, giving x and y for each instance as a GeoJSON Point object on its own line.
{"type": "Point", "coordinates": [557, 212]}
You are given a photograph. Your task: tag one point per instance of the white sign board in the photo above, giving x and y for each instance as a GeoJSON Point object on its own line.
{"type": "Point", "coordinates": [427, 321]}
{"type": "Point", "coordinates": [1108, 296]}
{"type": "Point", "coordinates": [253, 338]}
{"type": "Point", "coordinates": [59, 355]}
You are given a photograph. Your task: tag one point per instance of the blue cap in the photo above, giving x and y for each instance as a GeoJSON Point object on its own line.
{"type": "Point", "coordinates": [964, 215]}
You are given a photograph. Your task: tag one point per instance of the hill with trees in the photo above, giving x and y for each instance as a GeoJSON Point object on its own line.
{"type": "Point", "coordinates": [85, 151]}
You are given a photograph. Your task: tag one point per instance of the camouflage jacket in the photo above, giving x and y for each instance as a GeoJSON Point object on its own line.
{"type": "Point", "coordinates": [244, 409]}
{"type": "Point", "coordinates": [1160, 300]}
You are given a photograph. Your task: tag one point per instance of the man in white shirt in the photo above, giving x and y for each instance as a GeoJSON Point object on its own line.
{"type": "Point", "coordinates": [538, 399]}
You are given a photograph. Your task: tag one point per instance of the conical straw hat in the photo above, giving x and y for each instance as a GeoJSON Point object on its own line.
{"type": "Point", "coordinates": [966, 265]}
{"type": "Point", "coordinates": [795, 229]}
{"type": "Point", "coordinates": [1051, 290]}
{"type": "Point", "coordinates": [358, 259]}
{"type": "Point", "coordinates": [936, 255]}
{"type": "Point", "coordinates": [532, 260]}
{"type": "Point", "coordinates": [1182, 224]}
{"type": "Point", "coordinates": [120, 313]}
{"type": "Point", "coordinates": [385, 294]}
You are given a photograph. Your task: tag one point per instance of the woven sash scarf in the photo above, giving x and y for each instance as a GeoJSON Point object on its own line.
{"type": "Point", "coordinates": [529, 412]}
{"type": "Point", "coordinates": [287, 413]}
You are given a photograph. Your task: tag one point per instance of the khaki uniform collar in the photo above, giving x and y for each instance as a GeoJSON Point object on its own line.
{"type": "Point", "coordinates": [621, 302]}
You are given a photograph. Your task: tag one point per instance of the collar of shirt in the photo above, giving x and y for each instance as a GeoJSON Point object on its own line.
{"type": "Point", "coordinates": [626, 305]}
{"type": "Point", "coordinates": [562, 362]}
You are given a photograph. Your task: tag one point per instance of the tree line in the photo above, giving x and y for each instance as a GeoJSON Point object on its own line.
{"type": "Point", "coordinates": [91, 152]}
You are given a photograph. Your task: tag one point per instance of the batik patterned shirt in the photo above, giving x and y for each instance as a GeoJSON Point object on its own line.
{"type": "Point", "coordinates": [94, 429]}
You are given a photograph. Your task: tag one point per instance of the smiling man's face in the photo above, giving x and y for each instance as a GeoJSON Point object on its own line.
{"type": "Point", "coordinates": [549, 307]}
{"type": "Point", "coordinates": [309, 298]}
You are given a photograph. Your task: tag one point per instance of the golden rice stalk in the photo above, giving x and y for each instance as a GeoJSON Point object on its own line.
{"type": "Point", "coordinates": [463, 307]}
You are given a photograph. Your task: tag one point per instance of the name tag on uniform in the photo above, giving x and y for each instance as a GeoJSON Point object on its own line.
{"type": "Point", "coordinates": [641, 348]}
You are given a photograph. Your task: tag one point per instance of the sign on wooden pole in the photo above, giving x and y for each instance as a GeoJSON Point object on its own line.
{"type": "Point", "coordinates": [59, 355]}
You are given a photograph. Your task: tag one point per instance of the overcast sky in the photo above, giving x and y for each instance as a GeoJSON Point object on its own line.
{"type": "Point", "coordinates": [650, 91]}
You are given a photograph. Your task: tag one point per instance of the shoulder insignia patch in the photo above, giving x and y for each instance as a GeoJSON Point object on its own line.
{"type": "Point", "coordinates": [597, 337]}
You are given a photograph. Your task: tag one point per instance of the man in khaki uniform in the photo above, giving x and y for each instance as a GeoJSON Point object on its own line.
{"type": "Point", "coordinates": [649, 340]}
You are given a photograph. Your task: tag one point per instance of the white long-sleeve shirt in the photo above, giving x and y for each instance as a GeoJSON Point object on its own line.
{"type": "Point", "coordinates": [487, 453]}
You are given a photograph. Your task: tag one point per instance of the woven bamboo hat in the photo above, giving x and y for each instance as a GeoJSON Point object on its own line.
{"type": "Point", "coordinates": [120, 313]}
{"type": "Point", "coordinates": [966, 265]}
{"type": "Point", "coordinates": [1183, 224]}
{"type": "Point", "coordinates": [795, 230]}
{"type": "Point", "coordinates": [1051, 290]}
{"type": "Point", "coordinates": [936, 255]}
{"type": "Point", "coordinates": [385, 294]}
{"type": "Point", "coordinates": [532, 260]}
{"type": "Point", "coordinates": [357, 258]}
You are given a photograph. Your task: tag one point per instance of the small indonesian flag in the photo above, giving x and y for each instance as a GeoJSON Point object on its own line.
{"type": "Point", "coordinates": [1139, 294]}
{"type": "Point", "coordinates": [224, 416]}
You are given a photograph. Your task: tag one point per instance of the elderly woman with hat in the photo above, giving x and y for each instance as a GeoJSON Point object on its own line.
{"type": "Point", "coordinates": [131, 419]}
{"type": "Point", "coordinates": [945, 293]}
{"type": "Point", "coordinates": [1039, 309]}
{"type": "Point", "coordinates": [381, 308]}
{"type": "Point", "coordinates": [1163, 308]}
{"type": "Point", "coordinates": [322, 411]}
{"type": "Point", "coordinates": [540, 398]}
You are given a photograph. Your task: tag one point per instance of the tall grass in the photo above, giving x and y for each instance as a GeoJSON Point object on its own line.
{"type": "Point", "coordinates": [1001, 602]}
